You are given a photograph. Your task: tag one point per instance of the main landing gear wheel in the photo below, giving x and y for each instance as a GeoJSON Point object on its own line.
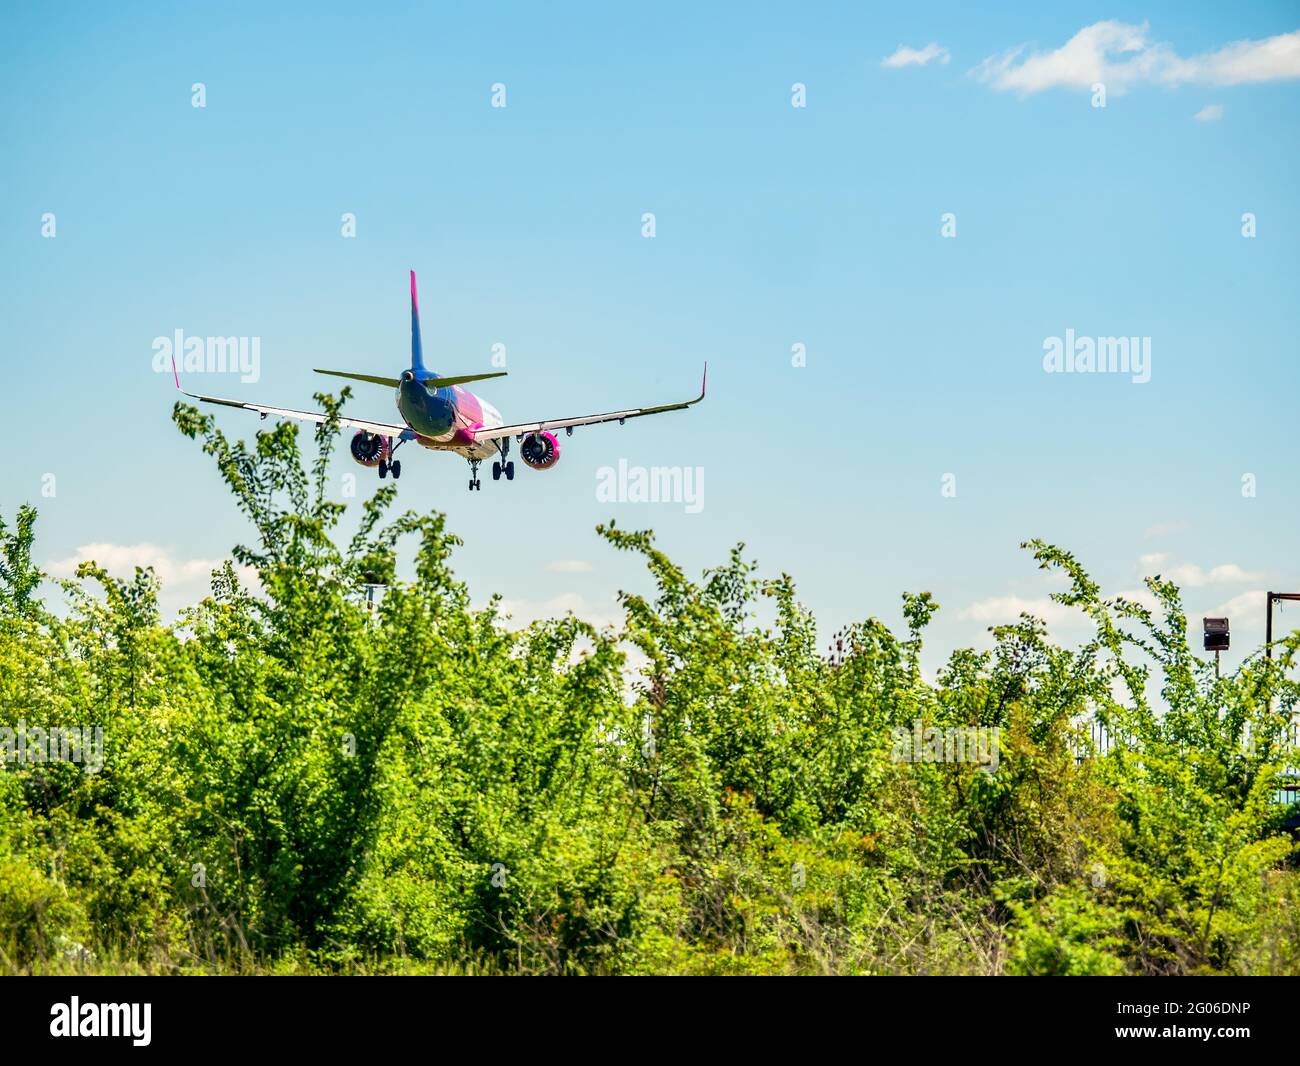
{"type": "Point", "coordinates": [503, 465]}
{"type": "Point", "coordinates": [390, 465]}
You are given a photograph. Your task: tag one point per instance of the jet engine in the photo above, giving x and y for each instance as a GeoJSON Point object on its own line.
{"type": "Point", "coordinates": [369, 449]}
{"type": "Point", "coordinates": [541, 451]}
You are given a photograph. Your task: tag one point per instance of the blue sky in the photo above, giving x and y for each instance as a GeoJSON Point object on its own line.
{"type": "Point", "coordinates": [775, 226]}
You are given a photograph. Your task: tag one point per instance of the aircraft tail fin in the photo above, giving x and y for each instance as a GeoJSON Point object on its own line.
{"type": "Point", "coordinates": [422, 373]}
{"type": "Point", "coordinates": [417, 349]}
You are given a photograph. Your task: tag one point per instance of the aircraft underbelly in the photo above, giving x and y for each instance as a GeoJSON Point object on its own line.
{"type": "Point", "coordinates": [471, 414]}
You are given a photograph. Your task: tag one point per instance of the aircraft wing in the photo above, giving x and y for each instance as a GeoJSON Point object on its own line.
{"type": "Point", "coordinates": [497, 432]}
{"type": "Point", "coordinates": [384, 429]}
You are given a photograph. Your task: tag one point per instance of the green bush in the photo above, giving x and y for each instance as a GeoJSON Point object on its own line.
{"type": "Point", "coordinates": [292, 781]}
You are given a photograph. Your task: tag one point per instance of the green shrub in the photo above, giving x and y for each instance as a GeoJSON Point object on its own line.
{"type": "Point", "coordinates": [292, 781]}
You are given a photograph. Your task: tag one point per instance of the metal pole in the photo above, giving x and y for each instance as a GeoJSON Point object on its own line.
{"type": "Point", "coordinates": [1268, 626]}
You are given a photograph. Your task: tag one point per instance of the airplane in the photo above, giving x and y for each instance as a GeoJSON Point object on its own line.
{"type": "Point", "coordinates": [442, 416]}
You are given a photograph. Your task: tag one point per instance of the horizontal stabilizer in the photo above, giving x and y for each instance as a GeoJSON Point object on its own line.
{"type": "Point", "coordinates": [392, 383]}
{"type": "Point", "coordinates": [429, 382]}
{"type": "Point", "coordinates": [460, 379]}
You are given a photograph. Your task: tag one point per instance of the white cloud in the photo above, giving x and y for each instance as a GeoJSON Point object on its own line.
{"type": "Point", "coordinates": [1119, 55]}
{"type": "Point", "coordinates": [1143, 597]}
{"type": "Point", "coordinates": [1209, 113]}
{"type": "Point", "coordinates": [907, 57]}
{"type": "Point", "coordinates": [996, 609]}
{"type": "Point", "coordinates": [120, 560]}
{"type": "Point", "coordinates": [184, 581]}
{"type": "Point", "coordinates": [569, 566]}
{"type": "Point", "coordinates": [522, 612]}
{"type": "Point", "coordinates": [1189, 575]}
{"type": "Point", "coordinates": [1248, 606]}
{"type": "Point", "coordinates": [999, 609]}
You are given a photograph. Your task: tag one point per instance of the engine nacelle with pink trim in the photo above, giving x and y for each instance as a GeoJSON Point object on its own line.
{"type": "Point", "coordinates": [541, 451]}
{"type": "Point", "coordinates": [369, 449]}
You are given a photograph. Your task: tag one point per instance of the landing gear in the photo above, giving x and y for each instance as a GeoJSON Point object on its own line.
{"type": "Point", "coordinates": [503, 466]}
{"type": "Point", "coordinates": [391, 465]}
{"type": "Point", "coordinates": [474, 482]}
